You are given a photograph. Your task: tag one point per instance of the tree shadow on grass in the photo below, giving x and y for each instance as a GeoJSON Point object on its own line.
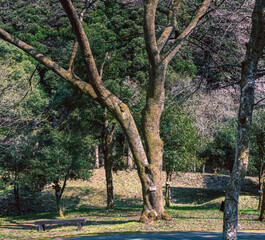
{"type": "Point", "coordinates": [75, 198]}
{"type": "Point", "coordinates": [219, 182]}
{"type": "Point", "coordinates": [32, 226]}
{"type": "Point", "coordinates": [194, 195]}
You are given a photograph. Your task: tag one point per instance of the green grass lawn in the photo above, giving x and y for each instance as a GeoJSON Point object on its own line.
{"type": "Point", "coordinates": [194, 208]}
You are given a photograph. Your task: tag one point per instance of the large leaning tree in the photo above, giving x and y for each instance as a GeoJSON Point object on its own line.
{"type": "Point", "coordinates": [161, 47]}
{"type": "Point", "coordinates": [254, 53]}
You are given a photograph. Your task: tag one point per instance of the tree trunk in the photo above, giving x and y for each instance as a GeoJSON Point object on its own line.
{"type": "Point", "coordinates": [109, 181]}
{"type": "Point", "coordinates": [17, 199]}
{"type": "Point", "coordinates": [129, 159]}
{"type": "Point", "coordinates": [58, 195]}
{"type": "Point", "coordinates": [248, 76]}
{"type": "Point", "coordinates": [261, 192]}
{"type": "Point", "coordinates": [215, 172]}
{"type": "Point", "coordinates": [108, 162]}
{"type": "Point", "coordinates": [96, 157]}
{"type": "Point", "coordinates": [167, 197]}
{"type": "Point", "coordinates": [260, 143]}
{"type": "Point", "coordinates": [203, 168]}
{"type": "Point", "coordinates": [152, 190]}
{"type": "Point", "coordinates": [262, 207]}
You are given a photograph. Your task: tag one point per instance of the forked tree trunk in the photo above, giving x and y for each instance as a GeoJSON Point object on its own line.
{"type": "Point", "coordinates": [248, 76]}
{"type": "Point", "coordinates": [58, 195]}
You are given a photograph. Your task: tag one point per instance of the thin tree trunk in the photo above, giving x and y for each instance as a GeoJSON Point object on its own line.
{"type": "Point", "coordinates": [58, 195]}
{"type": "Point", "coordinates": [248, 76]}
{"type": "Point", "coordinates": [129, 159]}
{"type": "Point", "coordinates": [260, 143]}
{"type": "Point", "coordinates": [109, 181]}
{"type": "Point", "coordinates": [108, 162]}
{"type": "Point", "coordinates": [262, 207]}
{"type": "Point", "coordinates": [167, 197]}
{"type": "Point", "coordinates": [96, 157]}
{"type": "Point", "coordinates": [203, 168]}
{"type": "Point", "coordinates": [17, 199]}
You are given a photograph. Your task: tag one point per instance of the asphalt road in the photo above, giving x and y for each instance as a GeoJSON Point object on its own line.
{"type": "Point", "coordinates": [176, 236]}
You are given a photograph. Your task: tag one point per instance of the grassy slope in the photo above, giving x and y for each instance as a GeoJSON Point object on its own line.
{"type": "Point", "coordinates": [195, 207]}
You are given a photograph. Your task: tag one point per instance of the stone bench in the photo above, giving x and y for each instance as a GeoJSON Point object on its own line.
{"type": "Point", "coordinates": [79, 221]}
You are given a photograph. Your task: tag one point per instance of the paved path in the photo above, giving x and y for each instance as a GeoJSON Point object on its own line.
{"type": "Point", "coordinates": [176, 236]}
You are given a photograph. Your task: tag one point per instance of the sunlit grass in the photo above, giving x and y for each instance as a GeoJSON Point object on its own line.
{"type": "Point", "coordinates": [192, 209]}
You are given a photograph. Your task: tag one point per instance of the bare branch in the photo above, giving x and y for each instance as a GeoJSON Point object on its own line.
{"type": "Point", "coordinates": [172, 26]}
{"type": "Point", "coordinates": [185, 34]}
{"type": "Point", "coordinates": [256, 103]}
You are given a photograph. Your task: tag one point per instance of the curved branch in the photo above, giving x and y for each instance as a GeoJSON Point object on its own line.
{"type": "Point", "coordinates": [84, 86]}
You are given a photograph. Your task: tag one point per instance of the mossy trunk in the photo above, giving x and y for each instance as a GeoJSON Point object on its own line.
{"type": "Point", "coordinates": [152, 185]}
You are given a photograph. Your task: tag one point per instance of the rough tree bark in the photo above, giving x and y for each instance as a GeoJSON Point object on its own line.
{"type": "Point", "coordinates": [248, 75]}
{"type": "Point", "coordinates": [149, 160]}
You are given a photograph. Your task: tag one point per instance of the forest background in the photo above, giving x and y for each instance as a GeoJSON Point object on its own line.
{"type": "Point", "coordinates": [51, 132]}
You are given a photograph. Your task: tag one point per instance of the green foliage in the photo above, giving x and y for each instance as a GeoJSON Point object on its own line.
{"type": "Point", "coordinates": [64, 155]}
{"type": "Point", "coordinates": [257, 143]}
{"type": "Point", "coordinates": [181, 139]}
{"type": "Point", "coordinates": [220, 152]}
